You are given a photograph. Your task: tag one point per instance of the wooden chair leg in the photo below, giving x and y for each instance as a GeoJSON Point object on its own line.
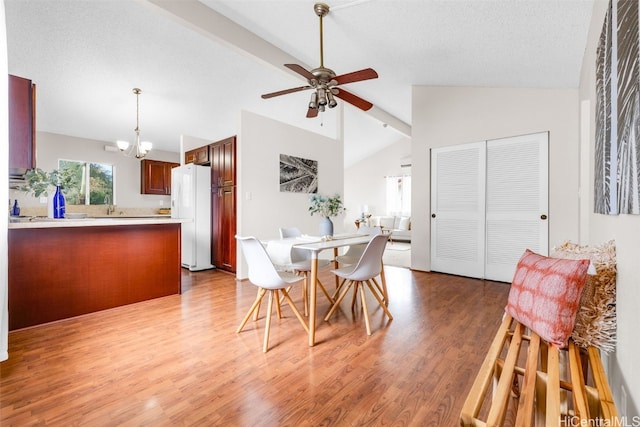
{"type": "Point", "coordinates": [277, 300]}
{"type": "Point", "coordinates": [304, 290]}
{"type": "Point", "coordinates": [267, 327]}
{"type": "Point", "coordinates": [365, 310]}
{"type": "Point", "coordinates": [382, 289]}
{"type": "Point", "coordinates": [254, 307]}
{"type": "Point", "coordinates": [256, 314]}
{"type": "Point", "coordinates": [282, 297]}
{"type": "Point", "coordinates": [338, 301]}
{"type": "Point", "coordinates": [354, 297]}
{"type": "Point", "coordinates": [383, 279]}
{"type": "Point", "coordinates": [380, 301]}
{"type": "Point", "coordinates": [338, 288]}
{"type": "Point", "coordinates": [295, 310]}
{"type": "Point", "coordinates": [324, 291]}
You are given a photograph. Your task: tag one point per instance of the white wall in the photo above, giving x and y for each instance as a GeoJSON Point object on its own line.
{"type": "Point", "coordinates": [262, 208]}
{"type": "Point", "coordinates": [4, 171]}
{"type": "Point", "coordinates": [364, 182]}
{"type": "Point", "coordinates": [445, 116]}
{"type": "Point", "coordinates": [624, 370]}
{"type": "Point", "coordinates": [51, 147]}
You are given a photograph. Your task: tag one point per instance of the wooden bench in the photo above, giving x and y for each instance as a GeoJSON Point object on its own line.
{"type": "Point", "coordinates": [539, 384]}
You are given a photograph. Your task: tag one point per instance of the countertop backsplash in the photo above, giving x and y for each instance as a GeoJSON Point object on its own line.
{"type": "Point", "coordinates": [97, 211]}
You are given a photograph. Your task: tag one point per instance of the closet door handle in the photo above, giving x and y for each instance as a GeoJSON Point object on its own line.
{"type": "Point", "coordinates": [543, 217]}
{"type": "Point", "coordinates": [433, 215]}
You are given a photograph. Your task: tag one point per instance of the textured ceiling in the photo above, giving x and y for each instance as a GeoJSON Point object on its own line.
{"type": "Point", "coordinates": [86, 56]}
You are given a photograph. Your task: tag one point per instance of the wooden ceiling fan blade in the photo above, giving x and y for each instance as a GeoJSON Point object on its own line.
{"type": "Point", "coordinates": [356, 76]}
{"type": "Point", "coordinates": [301, 70]}
{"type": "Point", "coordinates": [312, 112]}
{"type": "Point", "coordinates": [284, 92]}
{"type": "Point", "coordinates": [352, 99]}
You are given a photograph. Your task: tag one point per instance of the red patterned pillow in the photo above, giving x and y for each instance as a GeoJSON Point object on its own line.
{"type": "Point", "coordinates": [545, 294]}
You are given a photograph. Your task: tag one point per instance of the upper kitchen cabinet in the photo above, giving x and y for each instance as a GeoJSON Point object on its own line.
{"type": "Point", "coordinates": [223, 162]}
{"type": "Point", "coordinates": [198, 156]}
{"type": "Point", "coordinates": [22, 121]}
{"type": "Point", "coordinates": [155, 177]}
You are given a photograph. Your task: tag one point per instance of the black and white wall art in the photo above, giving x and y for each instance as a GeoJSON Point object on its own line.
{"type": "Point", "coordinates": [298, 175]}
{"type": "Point", "coordinates": [617, 145]}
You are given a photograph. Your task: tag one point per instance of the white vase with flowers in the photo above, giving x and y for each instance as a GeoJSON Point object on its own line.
{"type": "Point", "coordinates": [326, 207]}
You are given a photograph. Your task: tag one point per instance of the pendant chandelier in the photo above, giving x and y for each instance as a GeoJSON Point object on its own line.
{"type": "Point", "coordinates": [141, 148]}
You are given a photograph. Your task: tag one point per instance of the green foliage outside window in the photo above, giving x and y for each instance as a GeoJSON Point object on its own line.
{"type": "Point", "coordinates": [99, 182]}
{"type": "Point", "coordinates": [74, 181]}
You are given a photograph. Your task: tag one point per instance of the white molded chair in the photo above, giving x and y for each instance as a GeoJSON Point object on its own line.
{"type": "Point", "coordinates": [263, 274]}
{"type": "Point", "coordinates": [354, 252]}
{"type": "Point", "coordinates": [301, 264]}
{"type": "Point", "coordinates": [353, 255]}
{"type": "Point", "coordinates": [361, 274]}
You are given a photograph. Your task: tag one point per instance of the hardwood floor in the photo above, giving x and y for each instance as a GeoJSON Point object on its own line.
{"type": "Point", "coordinates": [177, 360]}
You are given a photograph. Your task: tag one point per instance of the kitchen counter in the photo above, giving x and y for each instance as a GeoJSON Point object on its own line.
{"type": "Point", "coordinates": [61, 268]}
{"type": "Point", "coordinates": [42, 222]}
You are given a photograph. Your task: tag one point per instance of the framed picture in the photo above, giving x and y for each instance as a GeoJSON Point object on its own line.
{"type": "Point", "coordinates": [617, 163]}
{"type": "Point", "coordinates": [298, 175]}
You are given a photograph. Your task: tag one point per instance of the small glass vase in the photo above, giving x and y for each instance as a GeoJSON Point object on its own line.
{"type": "Point", "coordinates": [58, 204]}
{"type": "Point", "coordinates": [326, 227]}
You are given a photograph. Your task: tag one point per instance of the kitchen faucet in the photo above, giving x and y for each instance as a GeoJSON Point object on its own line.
{"type": "Point", "coordinates": [110, 208]}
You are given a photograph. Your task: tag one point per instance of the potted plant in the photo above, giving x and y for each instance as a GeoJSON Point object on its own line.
{"type": "Point", "coordinates": [39, 182]}
{"type": "Point", "coordinates": [327, 207]}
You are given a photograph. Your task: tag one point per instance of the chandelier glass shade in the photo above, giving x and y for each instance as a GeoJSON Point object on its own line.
{"type": "Point", "coordinates": [140, 148]}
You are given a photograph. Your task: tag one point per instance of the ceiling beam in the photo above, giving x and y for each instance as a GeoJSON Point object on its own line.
{"type": "Point", "coordinates": [217, 27]}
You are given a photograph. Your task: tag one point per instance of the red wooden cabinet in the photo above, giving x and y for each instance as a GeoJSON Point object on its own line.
{"type": "Point", "coordinates": [223, 162]}
{"type": "Point", "coordinates": [223, 228]}
{"type": "Point", "coordinates": [155, 177]}
{"type": "Point", "coordinates": [22, 120]}
{"type": "Point", "coordinates": [61, 272]}
{"type": "Point", "coordinates": [198, 156]}
{"type": "Point", "coordinates": [223, 204]}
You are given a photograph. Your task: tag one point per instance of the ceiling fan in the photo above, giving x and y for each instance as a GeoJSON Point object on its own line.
{"type": "Point", "coordinates": [324, 81]}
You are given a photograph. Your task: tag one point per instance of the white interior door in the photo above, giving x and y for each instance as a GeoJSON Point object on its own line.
{"type": "Point", "coordinates": [458, 209]}
{"type": "Point", "coordinates": [516, 202]}
{"type": "Point", "coordinates": [489, 202]}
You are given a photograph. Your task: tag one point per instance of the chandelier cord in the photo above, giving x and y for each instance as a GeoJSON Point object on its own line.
{"type": "Point", "coordinates": [139, 155]}
{"type": "Point", "coordinates": [141, 149]}
{"type": "Point", "coordinates": [137, 111]}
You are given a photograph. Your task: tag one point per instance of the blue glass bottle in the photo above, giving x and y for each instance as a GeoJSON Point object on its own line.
{"type": "Point", "coordinates": [16, 209]}
{"type": "Point", "coordinates": [58, 204]}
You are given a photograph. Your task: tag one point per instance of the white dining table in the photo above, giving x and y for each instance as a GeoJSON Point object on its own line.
{"type": "Point", "coordinates": [315, 247]}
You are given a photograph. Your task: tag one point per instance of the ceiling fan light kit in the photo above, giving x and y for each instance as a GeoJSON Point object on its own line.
{"type": "Point", "coordinates": [324, 81]}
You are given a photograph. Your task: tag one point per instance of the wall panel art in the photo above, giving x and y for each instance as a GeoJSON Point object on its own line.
{"type": "Point", "coordinates": [617, 149]}
{"type": "Point", "coordinates": [298, 175]}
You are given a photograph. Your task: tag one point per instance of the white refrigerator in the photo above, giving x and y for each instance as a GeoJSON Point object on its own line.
{"type": "Point", "coordinates": [191, 200]}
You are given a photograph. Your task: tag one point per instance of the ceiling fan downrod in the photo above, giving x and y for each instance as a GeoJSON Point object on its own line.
{"type": "Point", "coordinates": [321, 10]}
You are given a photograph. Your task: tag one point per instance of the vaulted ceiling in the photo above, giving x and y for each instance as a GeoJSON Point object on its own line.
{"type": "Point", "coordinates": [200, 63]}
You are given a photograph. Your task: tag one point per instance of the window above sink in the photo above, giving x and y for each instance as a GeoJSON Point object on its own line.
{"type": "Point", "coordinates": [89, 183]}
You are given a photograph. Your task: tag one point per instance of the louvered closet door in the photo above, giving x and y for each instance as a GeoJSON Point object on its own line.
{"type": "Point", "coordinates": [516, 202]}
{"type": "Point", "coordinates": [489, 202]}
{"type": "Point", "coordinates": [458, 209]}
